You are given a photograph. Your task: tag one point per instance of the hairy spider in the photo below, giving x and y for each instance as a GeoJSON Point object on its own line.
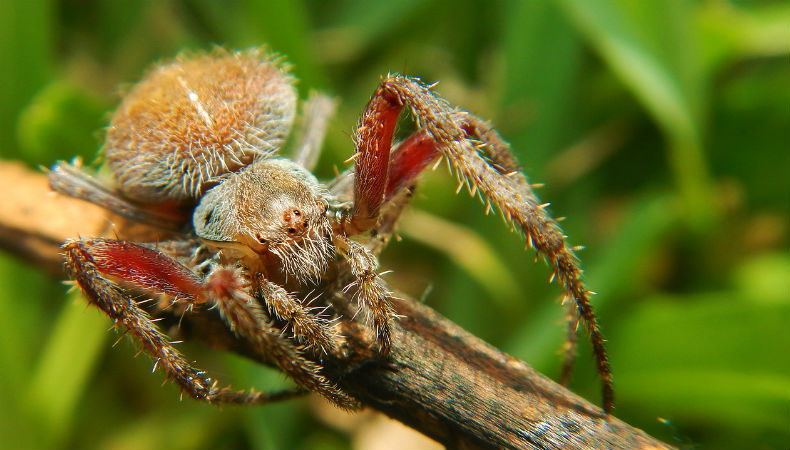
{"type": "Point", "coordinates": [199, 136]}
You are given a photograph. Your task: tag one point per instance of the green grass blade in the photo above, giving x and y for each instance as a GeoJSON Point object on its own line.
{"type": "Point", "coordinates": [647, 46]}
{"type": "Point", "coordinates": [64, 369]}
{"type": "Point", "coordinates": [541, 54]}
{"type": "Point", "coordinates": [26, 57]}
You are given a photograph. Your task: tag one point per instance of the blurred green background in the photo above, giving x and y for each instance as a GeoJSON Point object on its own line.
{"type": "Point", "coordinates": [661, 130]}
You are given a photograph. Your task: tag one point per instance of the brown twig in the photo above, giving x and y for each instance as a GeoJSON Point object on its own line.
{"type": "Point", "coordinates": [439, 379]}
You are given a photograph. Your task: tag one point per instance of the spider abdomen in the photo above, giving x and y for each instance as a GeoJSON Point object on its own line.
{"type": "Point", "coordinates": [191, 121]}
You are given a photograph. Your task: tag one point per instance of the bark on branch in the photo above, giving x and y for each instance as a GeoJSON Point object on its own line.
{"type": "Point", "coordinates": [440, 379]}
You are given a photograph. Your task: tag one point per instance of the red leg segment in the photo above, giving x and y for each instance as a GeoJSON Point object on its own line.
{"type": "Point", "coordinates": [373, 142]}
{"type": "Point", "coordinates": [142, 267]}
{"type": "Point", "coordinates": [410, 158]}
{"type": "Point", "coordinates": [99, 265]}
{"type": "Point", "coordinates": [108, 297]}
{"type": "Point", "coordinates": [481, 160]}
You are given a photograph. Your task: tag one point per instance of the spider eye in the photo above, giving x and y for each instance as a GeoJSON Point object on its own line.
{"type": "Point", "coordinates": [260, 238]}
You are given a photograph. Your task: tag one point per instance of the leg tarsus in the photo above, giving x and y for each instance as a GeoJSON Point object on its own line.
{"type": "Point", "coordinates": [257, 398]}
{"type": "Point", "coordinates": [246, 318]}
{"type": "Point", "coordinates": [371, 291]}
{"type": "Point", "coordinates": [312, 330]}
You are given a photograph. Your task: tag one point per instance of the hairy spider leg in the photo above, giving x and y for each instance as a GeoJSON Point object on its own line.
{"type": "Point", "coordinates": [498, 151]}
{"type": "Point", "coordinates": [370, 290]}
{"type": "Point", "coordinates": [388, 219]}
{"type": "Point", "coordinates": [408, 160]}
{"type": "Point", "coordinates": [373, 140]}
{"type": "Point", "coordinates": [108, 296]}
{"type": "Point", "coordinates": [460, 137]}
{"type": "Point", "coordinates": [102, 267]}
{"type": "Point", "coordinates": [245, 316]}
{"type": "Point", "coordinates": [317, 110]}
{"type": "Point", "coordinates": [311, 330]}
{"type": "Point", "coordinates": [419, 151]}
{"type": "Point", "coordinates": [70, 179]}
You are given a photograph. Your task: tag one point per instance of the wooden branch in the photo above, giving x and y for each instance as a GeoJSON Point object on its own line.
{"type": "Point", "coordinates": [440, 379]}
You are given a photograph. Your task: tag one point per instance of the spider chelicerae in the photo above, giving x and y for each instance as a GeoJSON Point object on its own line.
{"type": "Point", "coordinates": [193, 147]}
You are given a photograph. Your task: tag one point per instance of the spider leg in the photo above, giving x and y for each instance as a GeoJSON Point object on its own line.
{"type": "Point", "coordinates": [311, 329]}
{"type": "Point", "coordinates": [122, 309]}
{"type": "Point", "coordinates": [103, 266]}
{"type": "Point", "coordinates": [246, 317]}
{"type": "Point", "coordinates": [408, 160]}
{"type": "Point", "coordinates": [372, 158]}
{"type": "Point", "coordinates": [388, 219]}
{"type": "Point", "coordinates": [483, 162]}
{"type": "Point", "coordinates": [371, 291]}
{"type": "Point", "coordinates": [498, 151]}
{"type": "Point", "coordinates": [316, 112]}
{"type": "Point", "coordinates": [496, 148]}
{"type": "Point", "coordinates": [70, 179]}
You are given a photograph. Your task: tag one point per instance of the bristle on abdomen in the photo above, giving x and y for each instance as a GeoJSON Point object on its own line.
{"type": "Point", "coordinates": [190, 121]}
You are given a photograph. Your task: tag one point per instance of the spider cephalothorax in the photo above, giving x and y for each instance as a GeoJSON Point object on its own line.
{"type": "Point", "coordinates": [272, 206]}
{"type": "Point", "coordinates": [200, 136]}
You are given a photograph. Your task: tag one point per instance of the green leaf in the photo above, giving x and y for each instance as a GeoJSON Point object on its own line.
{"type": "Point", "coordinates": [278, 425]}
{"type": "Point", "coordinates": [60, 123]}
{"type": "Point", "coordinates": [75, 344]}
{"type": "Point", "coordinates": [648, 45]}
{"type": "Point", "coordinates": [356, 25]}
{"type": "Point", "coordinates": [541, 54]}
{"type": "Point", "coordinates": [284, 25]}
{"type": "Point", "coordinates": [26, 57]}
{"type": "Point", "coordinates": [465, 248]}
{"type": "Point", "coordinates": [765, 277]}
{"type": "Point", "coordinates": [731, 32]}
{"type": "Point", "coordinates": [716, 358]}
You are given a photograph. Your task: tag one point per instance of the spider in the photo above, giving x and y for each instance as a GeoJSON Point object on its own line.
{"type": "Point", "coordinates": [193, 148]}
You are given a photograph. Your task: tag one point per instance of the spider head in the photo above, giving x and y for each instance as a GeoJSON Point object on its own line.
{"type": "Point", "coordinates": [273, 207]}
{"type": "Point", "coordinates": [298, 234]}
